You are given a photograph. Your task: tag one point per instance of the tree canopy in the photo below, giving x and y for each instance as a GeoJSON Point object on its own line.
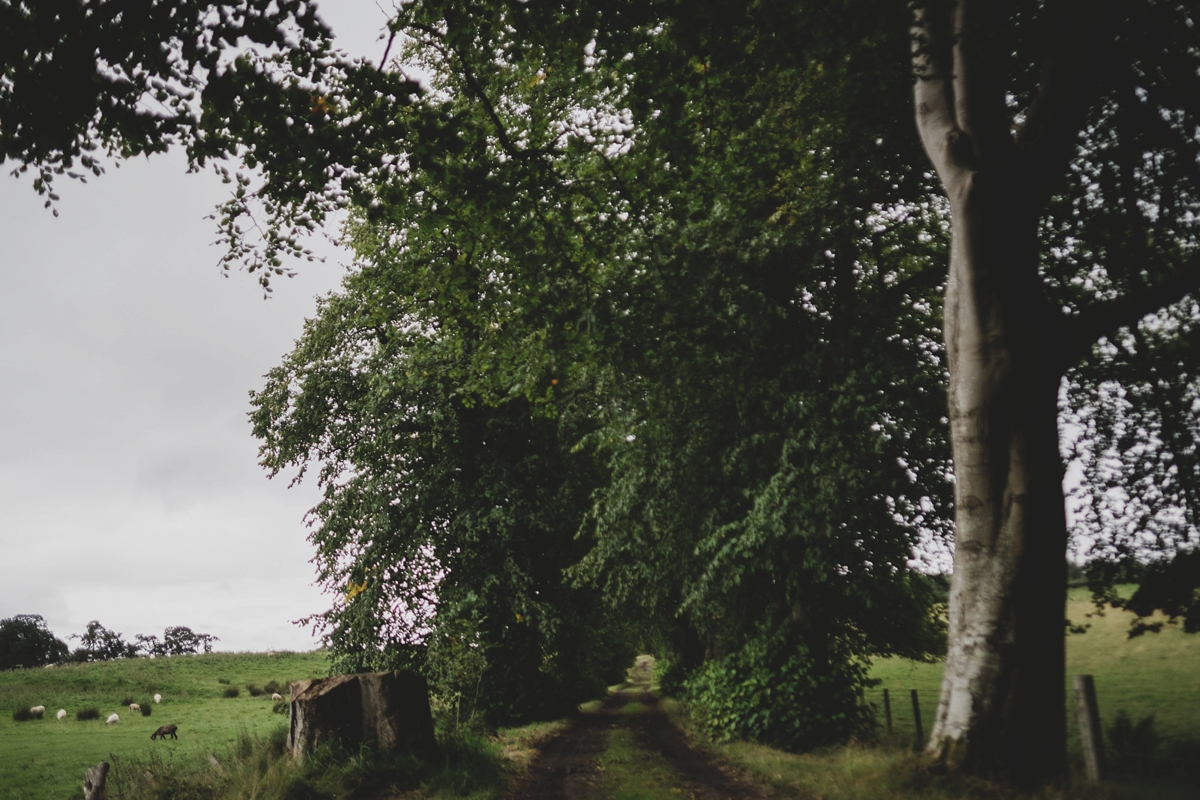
{"type": "Point", "coordinates": [693, 299]}
{"type": "Point", "coordinates": [25, 641]}
{"type": "Point", "coordinates": [691, 257]}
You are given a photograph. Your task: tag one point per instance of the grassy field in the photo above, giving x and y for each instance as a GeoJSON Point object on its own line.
{"type": "Point", "coordinates": [46, 758]}
{"type": "Point", "coordinates": [1155, 674]}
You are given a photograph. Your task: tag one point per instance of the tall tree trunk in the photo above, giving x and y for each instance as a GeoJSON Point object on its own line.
{"type": "Point", "coordinates": [1002, 706]}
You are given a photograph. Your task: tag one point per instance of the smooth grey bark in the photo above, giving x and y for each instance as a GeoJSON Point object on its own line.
{"type": "Point", "coordinates": [1002, 709]}
{"type": "Point", "coordinates": [1001, 712]}
{"type": "Point", "coordinates": [1002, 706]}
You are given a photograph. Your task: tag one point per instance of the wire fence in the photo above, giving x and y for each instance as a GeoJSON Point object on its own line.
{"type": "Point", "coordinates": [1133, 744]}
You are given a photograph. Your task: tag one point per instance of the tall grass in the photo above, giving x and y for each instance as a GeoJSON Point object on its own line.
{"type": "Point", "coordinates": [260, 768]}
{"type": "Point", "coordinates": [253, 767]}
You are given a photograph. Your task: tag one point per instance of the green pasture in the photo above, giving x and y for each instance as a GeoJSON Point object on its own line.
{"type": "Point", "coordinates": [1155, 674]}
{"type": "Point", "coordinates": [46, 758]}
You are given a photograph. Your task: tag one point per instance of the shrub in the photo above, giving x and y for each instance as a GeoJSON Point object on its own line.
{"type": "Point", "coordinates": [127, 701]}
{"type": "Point", "coordinates": [281, 707]}
{"type": "Point", "coordinates": [223, 680]}
{"type": "Point", "coordinates": [147, 707]}
{"type": "Point", "coordinates": [232, 691]}
{"type": "Point", "coordinates": [87, 713]}
{"type": "Point", "coordinates": [1132, 746]}
{"type": "Point", "coordinates": [254, 690]}
{"type": "Point", "coordinates": [23, 714]}
{"type": "Point", "coordinates": [273, 687]}
{"type": "Point", "coordinates": [670, 675]}
{"type": "Point", "coordinates": [775, 691]}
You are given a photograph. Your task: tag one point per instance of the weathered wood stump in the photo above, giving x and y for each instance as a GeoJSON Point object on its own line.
{"type": "Point", "coordinates": [387, 709]}
{"type": "Point", "coordinates": [93, 782]}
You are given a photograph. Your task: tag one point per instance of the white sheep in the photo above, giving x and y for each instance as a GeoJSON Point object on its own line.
{"type": "Point", "coordinates": [38, 710]}
{"type": "Point", "coordinates": [62, 713]}
{"type": "Point", "coordinates": [134, 707]}
{"type": "Point", "coordinates": [277, 696]}
{"type": "Point", "coordinates": [158, 698]}
{"type": "Point", "coordinates": [111, 719]}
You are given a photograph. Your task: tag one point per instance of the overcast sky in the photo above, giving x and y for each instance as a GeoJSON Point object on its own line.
{"type": "Point", "coordinates": [129, 488]}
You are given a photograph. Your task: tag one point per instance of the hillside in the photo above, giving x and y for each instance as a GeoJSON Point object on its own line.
{"type": "Point", "coordinates": [46, 758]}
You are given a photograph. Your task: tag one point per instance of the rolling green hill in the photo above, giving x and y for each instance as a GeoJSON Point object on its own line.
{"type": "Point", "coordinates": [46, 758]}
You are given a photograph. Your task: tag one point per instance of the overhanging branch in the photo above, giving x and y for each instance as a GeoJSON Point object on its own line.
{"type": "Point", "coordinates": [1084, 330]}
{"type": "Point", "coordinates": [1069, 82]}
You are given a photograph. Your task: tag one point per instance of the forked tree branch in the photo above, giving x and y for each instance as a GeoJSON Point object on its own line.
{"type": "Point", "coordinates": [978, 59]}
{"type": "Point", "coordinates": [933, 90]}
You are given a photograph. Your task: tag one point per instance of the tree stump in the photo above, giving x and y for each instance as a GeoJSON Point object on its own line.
{"type": "Point", "coordinates": [389, 710]}
{"type": "Point", "coordinates": [93, 782]}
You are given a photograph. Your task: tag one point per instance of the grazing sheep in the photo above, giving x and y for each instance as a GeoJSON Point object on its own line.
{"type": "Point", "coordinates": [277, 696]}
{"type": "Point", "coordinates": [134, 707]}
{"type": "Point", "coordinates": [111, 719]}
{"type": "Point", "coordinates": [158, 698]}
{"type": "Point", "coordinates": [62, 713]}
{"type": "Point", "coordinates": [38, 710]}
{"type": "Point", "coordinates": [164, 732]}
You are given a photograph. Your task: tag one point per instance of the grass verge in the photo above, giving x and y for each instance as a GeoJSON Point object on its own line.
{"type": "Point", "coordinates": [260, 768]}
{"type": "Point", "coordinates": [862, 772]}
{"type": "Point", "coordinates": [628, 772]}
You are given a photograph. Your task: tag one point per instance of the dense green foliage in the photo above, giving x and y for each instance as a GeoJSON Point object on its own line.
{"type": "Point", "coordinates": [25, 641]}
{"type": "Point", "coordinates": [775, 691]}
{"type": "Point", "coordinates": [647, 299]}
{"type": "Point", "coordinates": [633, 327]}
{"type": "Point", "coordinates": [445, 524]}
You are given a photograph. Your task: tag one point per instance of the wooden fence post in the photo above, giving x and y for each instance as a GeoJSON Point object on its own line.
{"type": "Point", "coordinates": [1088, 713]}
{"type": "Point", "coordinates": [919, 741]}
{"type": "Point", "coordinates": [95, 778]}
{"type": "Point", "coordinates": [887, 710]}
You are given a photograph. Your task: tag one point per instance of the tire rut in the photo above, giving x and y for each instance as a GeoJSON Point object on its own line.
{"type": "Point", "coordinates": [566, 766]}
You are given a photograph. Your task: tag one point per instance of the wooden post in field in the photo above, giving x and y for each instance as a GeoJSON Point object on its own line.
{"type": "Point", "coordinates": [920, 740]}
{"type": "Point", "coordinates": [1088, 714]}
{"type": "Point", "coordinates": [887, 710]}
{"type": "Point", "coordinates": [94, 780]}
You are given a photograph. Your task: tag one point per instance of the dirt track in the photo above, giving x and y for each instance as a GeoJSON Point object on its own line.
{"type": "Point", "coordinates": [566, 764]}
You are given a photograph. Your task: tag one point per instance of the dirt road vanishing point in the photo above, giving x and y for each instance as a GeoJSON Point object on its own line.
{"type": "Point", "coordinates": [568, 765]}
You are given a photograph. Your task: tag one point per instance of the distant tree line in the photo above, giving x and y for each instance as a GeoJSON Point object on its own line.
{"type": "Point", "coordinates": [25, 641]}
